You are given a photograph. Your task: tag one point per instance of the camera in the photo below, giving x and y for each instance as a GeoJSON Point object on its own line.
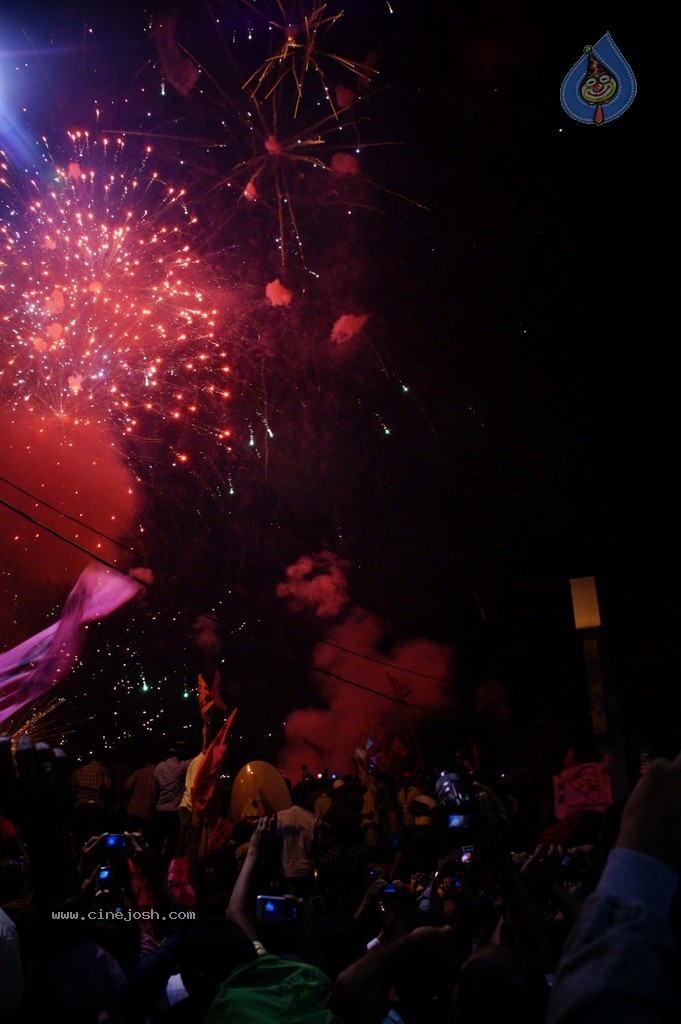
{"type": "Point", "coordinates": [104, 873]}
{"type": "Point", "coordinates": [117, 840]}
{"type": "Point", "coordinates": [455, 798]}
{"type": "Point", "coordinates": [275, 908]}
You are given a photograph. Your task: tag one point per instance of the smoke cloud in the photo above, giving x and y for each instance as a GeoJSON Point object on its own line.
{"type": "Point", "coordinates": [59, 491]}
{"type": "Point", "coordinates": [376, 692]}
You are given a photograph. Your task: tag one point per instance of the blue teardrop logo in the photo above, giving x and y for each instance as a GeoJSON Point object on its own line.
{"type": "Point", "coordinates": [600, 86]}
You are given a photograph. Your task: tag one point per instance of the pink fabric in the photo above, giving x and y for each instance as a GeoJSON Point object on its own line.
{"type": "Point", "coordinates": [31, 669]}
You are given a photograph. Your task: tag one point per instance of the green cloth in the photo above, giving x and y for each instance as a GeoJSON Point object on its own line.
{"type": "Point", "coordinates": [272, 990]}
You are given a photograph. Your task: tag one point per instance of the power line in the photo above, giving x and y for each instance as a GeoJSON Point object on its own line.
{"type": "Point", "coordinates": [54, 533]}
{"type": "Point", "coordinates": [386, 664]}
{"type": "Point", "coordinates": [368, 689]}
{"type": "Point", "coordinates": [386, 696]}
{"type": "Point", "coordinates": [66, 515]}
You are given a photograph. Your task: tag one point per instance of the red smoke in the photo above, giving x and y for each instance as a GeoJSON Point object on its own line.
{"type": "Point", "coordinates": [372, 692]}
{"type": "Point", "coordinates": [79, 472]}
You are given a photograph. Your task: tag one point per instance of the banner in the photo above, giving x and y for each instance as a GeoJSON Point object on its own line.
{"type": "Point", "coordinates": [586, 787]}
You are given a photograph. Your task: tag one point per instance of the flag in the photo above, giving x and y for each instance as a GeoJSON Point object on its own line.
{"type": "Point", "coordinates": [205, 695]}
{"type": "Point", "coordinates": [31, 669]}
{"type": "Point", "coordinates": [586, 787]}
{"type": "Point", "coordinates": [401, 692]}
{"type": "Point", "coordinates": [206, 799]}
{"type": "Point", "coordinates": [210, 697]}
{"type": "Point", "coordinates": [399, 752]}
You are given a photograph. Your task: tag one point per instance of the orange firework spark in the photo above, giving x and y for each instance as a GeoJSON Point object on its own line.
{"type": "Point", "coordinates": [106, 311]}
{"type": "Point", "coordinates": [300, 53]}
{"type": "Point", "coordinates": [277, 147]}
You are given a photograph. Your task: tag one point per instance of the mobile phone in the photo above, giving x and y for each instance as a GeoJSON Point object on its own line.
{"type": "Point", "coordinates": [456, 821]}
{"type": "Point", "coordinates": [104, 873]}
{"type": "Point", "coordinates": [117, 840]}
{"type": "Point", "coordinates": [389, 887]}
{"type": "Point", "coordinates": [275, 908]}
{"type": "Point", "coordinates": [466, 854]}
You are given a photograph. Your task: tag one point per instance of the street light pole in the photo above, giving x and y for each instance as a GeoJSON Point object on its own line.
{"type": "Point", "coordinates": [603, 705]}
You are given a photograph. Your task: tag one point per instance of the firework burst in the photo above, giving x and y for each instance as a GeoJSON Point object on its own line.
{"type": "Point", "coordinates": [107, 313]}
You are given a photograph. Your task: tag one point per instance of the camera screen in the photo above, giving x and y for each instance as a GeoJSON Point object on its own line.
{"type": "Point", "coordinates": [456, 821]}
{"type": "Point", "coordinates": [116, 839]}
{"type": "Point", "coordinates": [275, 908]}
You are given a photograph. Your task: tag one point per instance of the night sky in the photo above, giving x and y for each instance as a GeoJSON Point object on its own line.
{"type": "Point", "coordinates": [505, 420]}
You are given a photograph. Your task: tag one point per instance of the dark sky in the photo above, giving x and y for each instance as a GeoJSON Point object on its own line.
{"type": "Point", "coordinates": [527, 300]}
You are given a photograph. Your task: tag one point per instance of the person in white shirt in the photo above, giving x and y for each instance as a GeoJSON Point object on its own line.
{"type": "Point", "coordinates": [297, 831]}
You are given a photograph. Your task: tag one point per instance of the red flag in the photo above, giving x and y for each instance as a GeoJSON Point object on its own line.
{"type": "Point", "coordinates": [399, 752]}
{"type": "Point", "coordinates": [206, 800]}
{"type": "Point", "coordinates": [216, 690]}
{"type": "Point", "coordinates": [206, 701]}
{"type": "Point", "coordinates": [210, 697]}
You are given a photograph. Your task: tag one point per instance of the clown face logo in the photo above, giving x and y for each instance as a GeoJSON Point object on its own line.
{"type": "Point", "coordinates": [600, 86]}
{"type": "Point", "coordinates": [598, 90]}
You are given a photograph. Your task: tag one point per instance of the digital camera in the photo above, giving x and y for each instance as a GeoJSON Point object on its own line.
{"type": "Point", "coordinates": [275, 908]}
{"type": "Point", "coordinates": [455, 798]}
{"type": "Point", "coordinates": [117, 840]}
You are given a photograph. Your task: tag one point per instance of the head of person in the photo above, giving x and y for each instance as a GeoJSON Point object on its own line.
{"type": "Point", "coordinates": [492, 979]}
{"type": "Point", "coordinates": [213, 949]}
{"type": "Point", "coordinates": [300, 795]}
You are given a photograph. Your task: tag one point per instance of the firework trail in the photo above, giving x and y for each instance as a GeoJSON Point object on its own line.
{"type": "Point", "coordinates": [284, 135]}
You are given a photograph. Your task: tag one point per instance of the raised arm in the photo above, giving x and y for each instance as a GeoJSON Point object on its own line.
{"type": "Point", "coordinates": [259, 846]}
{"type": "Point", "coordinates": [618, 961]}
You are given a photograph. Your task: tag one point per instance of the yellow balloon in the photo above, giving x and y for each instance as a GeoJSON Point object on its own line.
{"type": "Point", "coordinates": [259, 788]}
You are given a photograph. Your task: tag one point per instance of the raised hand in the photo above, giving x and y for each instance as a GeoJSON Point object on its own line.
{"type": "Point", "coordinates": [651, 818]}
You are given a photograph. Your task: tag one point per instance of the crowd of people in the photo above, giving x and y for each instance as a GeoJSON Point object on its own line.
{"type": "Point", "coordinates": [371, 898]}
